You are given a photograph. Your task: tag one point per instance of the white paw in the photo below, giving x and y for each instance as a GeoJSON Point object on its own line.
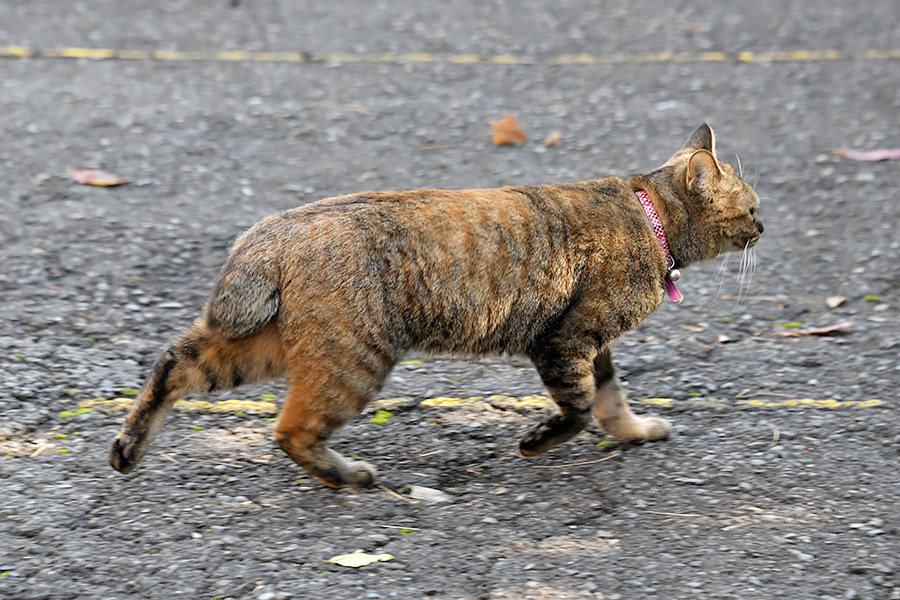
{"type": "Point", "coordinates": [361, 473]}
{"type": "Point", "coordinates": [654, 428]}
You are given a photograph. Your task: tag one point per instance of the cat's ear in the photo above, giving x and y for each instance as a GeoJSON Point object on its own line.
{"type": "Point", "coordinates": [702, 139]}
{"type": "Point", "coordinates": [702, 170]}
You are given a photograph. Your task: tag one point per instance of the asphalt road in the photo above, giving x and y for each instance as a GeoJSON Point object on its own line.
{"type": "Point", "coordinates": [781, 479]}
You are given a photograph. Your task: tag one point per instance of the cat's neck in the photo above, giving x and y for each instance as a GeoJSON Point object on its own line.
{"type": "Point", "coordinates": [668, 200]}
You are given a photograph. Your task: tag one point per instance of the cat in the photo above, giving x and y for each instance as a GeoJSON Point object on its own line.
{"type": "Point", "coordinates": [332, 294]}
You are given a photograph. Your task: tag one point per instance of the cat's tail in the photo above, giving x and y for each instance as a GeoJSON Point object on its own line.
{"type": "Point", "coordinates": [235, 342]}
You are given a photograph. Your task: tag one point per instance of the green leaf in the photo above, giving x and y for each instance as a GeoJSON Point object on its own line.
{"type": "Point", "coordinates": [197, 428]}
{"type": "Point", "coordinates": [130, 392]}
{"type": "Point", "coordinates": [695, 394]}
{"type": "Point", "coordinates": [62, 451]}
{"type": "Point", "coordinates": [726, 320]}
{"type": "Point", "coordinates": [81, 411]}
{"type": "Point", "coordinates": [411, 362]}
{"type": "Point", "coordinates": [268, 397]}
{"type": "Point", "coordinates": [61, 436]}
{"type": "Point", "coordinates": [791, 325]}
{"type": "Point", "coordinates": [873, 298]}
{"type": "Point", "coordinates": [381, 417]}
{"type": "Point", "coordinates": [405, 531]}
{"type": "Point", "coordinates": [604, 444]}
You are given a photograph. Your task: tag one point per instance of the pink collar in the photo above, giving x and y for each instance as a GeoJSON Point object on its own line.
{"type": "Point", "coordinates": [672, 274]}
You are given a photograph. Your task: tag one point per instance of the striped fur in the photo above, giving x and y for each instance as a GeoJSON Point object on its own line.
{"type": "Point", "coordinates": [331, 294]}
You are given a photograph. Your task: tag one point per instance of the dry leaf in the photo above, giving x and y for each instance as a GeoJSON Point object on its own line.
{"type": "Point", "coordinates": [359, 559]}
{"type": "Point", "coordinates": [98, 178]}
{"type": "Point", "coordinates": [880, 154]}
{"type": "Point", "coordinates": [818, 331]}
{"type": "Point", "coordinates": [507, 131]}
{"type": "Point", "coordinates": [834, 301]}
{"type": "Point", "coordinates": [553, 139]}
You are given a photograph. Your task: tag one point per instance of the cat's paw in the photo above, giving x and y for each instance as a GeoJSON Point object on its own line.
{"type": "Point", "coordinates": [123, 455]}
{"type": "Point", "coordinates": [552, 432]}
{"type": "Point", "coordinates": [346, 474]}
{"type": "Point", "coordinates": [360, 474]}
{"type": "Point", "coordinates": [651, 428]}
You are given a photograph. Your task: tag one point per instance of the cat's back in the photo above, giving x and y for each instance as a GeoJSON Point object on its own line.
{"type": "Point", "coordinates": [442, 216]}
{"type": "Point", "coordinates": [486, 267]}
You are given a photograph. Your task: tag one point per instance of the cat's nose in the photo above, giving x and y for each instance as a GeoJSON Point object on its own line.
{"type": "Point", "coordinates": [759, 226]}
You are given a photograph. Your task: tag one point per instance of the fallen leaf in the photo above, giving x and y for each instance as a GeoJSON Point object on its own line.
{"type": "Point", "coordinates": [834, 301]}
{"type": "Point", "coordinates": [692, 328]}
{"type": "Point", "coordinates": [381, 417]}
{"type": "Point", "coordinates": [418, 492]}
{"type": "Point", "coordinates": [507, 131]}
{"type": "Point", "coordinates": [553, 139]}
{"type": "Point", "coordinates": [98, 178]}
{"type": "Point", "coordinates": [818, 331]}
{"type": "Point", "coordinates": [880, 154]}
{"type": "Point", "coordinates": [359, 559]}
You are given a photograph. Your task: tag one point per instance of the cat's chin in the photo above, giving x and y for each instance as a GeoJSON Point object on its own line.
{"type": "Point", "coordinates": [734, 246]}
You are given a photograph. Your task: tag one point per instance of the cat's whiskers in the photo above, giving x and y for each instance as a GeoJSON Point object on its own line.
{"type": "Point", "coordinates": [720, 277]}
{"type": "Point", "coordinates": [745, 274]}
{"type": "Point", "coordinates": [740, 166]}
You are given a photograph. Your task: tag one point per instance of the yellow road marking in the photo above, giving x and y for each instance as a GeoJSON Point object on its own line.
{"type": "Point", "coordinates": [462, 59]}
{"type": "Point", "coordinates": [425, 57]}
{"type": "Point", "coordinates": [79, 53]}
{"type": "Point", "coordinates": [17, 51]}
{"type": "Point", "coordinates": [476, 402]}
{"type": "Point", "coordinates": [134, 54]}
{"type": "Point", "coordinates": [418, 57]}
{"type": "Point", "coordinates": [798, 55]}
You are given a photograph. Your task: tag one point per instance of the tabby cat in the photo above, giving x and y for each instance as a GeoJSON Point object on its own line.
{"type": "Point", "coordinates": [332, 294]}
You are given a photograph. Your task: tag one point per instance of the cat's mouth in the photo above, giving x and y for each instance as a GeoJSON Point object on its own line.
{"type": "Point", "coordinates": [746, 244]}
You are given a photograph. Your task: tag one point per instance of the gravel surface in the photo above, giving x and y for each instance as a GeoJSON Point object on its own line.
{"type": "Point", "coordinates": [781, 479]}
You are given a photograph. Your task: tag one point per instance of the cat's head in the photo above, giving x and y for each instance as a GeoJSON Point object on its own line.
{"type": "Point", "coordinates": [719, 209]}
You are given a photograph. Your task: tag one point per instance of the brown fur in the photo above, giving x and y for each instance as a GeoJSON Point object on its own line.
{"type": "Point", "coordinates": [333, 293]}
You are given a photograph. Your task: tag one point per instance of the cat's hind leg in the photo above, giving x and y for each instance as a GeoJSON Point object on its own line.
{"type": "Point", "coordinates": [201, 360]}
{"type": "Point", "coordinates": [611, 408]}
{"type": "Point", "coordinates": [567, 371]}
{"type": "Point", "coordinates": [327, 391]}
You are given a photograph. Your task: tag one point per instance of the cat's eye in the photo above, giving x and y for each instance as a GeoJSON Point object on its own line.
{"type": "Point", "coordinates": [752, 211]}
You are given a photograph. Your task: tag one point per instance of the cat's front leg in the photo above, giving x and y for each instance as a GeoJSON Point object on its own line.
{"type": "Point", "coordinates": [611, 408]}
{"type": "Point", "coordinates": [566, 368]}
